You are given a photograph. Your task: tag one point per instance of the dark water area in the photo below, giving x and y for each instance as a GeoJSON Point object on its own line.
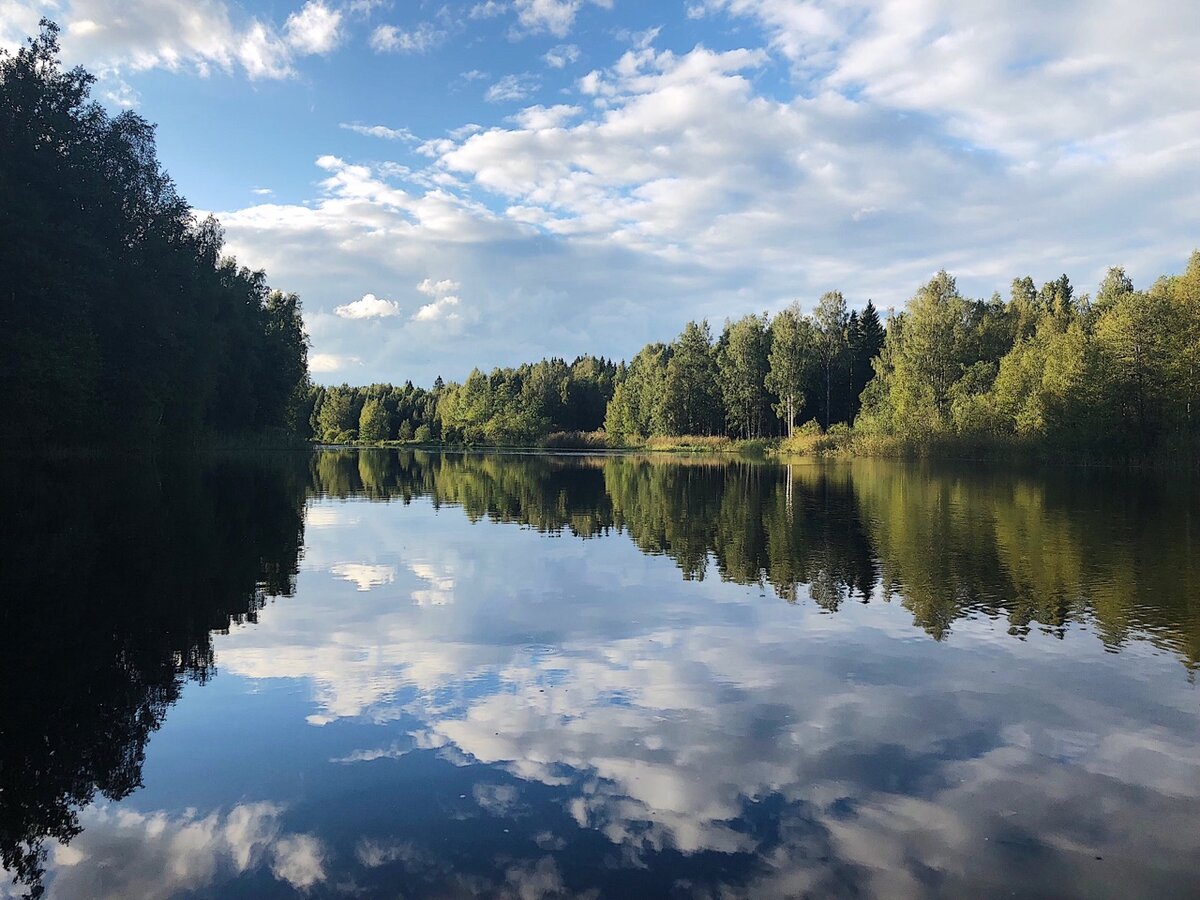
{"type": "Point", "coordinates": [396, 674]}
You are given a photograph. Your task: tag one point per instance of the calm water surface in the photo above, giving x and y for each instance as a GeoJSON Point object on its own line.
{"type": "Point", "coordinates": [407, 675]}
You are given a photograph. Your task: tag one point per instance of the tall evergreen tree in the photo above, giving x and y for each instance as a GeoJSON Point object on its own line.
{"type": "Point", "coordinates": [830, 317]}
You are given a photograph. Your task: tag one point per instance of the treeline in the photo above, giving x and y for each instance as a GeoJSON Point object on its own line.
{"type": "Point", "coordinates": [119, 317]}
{"type": "Point", "coordinates": [1047, 366]}
{"type": "Point", "coordinates": [756, 380]}
{"type": "Point", "coordinates": [509, 406]}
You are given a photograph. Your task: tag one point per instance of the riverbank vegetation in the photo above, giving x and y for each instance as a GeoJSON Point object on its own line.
{"type": "Point", "coordinates": [1049, 372]}
{"type": "Point", "coordinates": [120, 319]}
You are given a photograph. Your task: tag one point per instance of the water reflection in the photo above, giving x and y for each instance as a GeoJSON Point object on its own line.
{"type": "Point", "coordinates": [510, 711]}
{"type": "Point", "coordinates": [115, 576]}
{"type": "Point", "coordinates": [1041, 550]}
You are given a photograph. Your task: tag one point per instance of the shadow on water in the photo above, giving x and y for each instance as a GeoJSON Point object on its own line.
{"type": "Point", "coordinates": [117, 575]}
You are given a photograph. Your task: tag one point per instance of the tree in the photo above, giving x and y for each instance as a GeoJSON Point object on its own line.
{"type": "Point", "coordinates": [1115, 285]}
{"type": "Point", "coordinates": [791, 361]}
{"type": "Point", "coordinates": [690, 402]}
{"type": "Point", "coordinates": [830, 318]}
{"type": "Point", "coordinates": [336, 415]}
{"type": "Point", "coordinates": [373, 422]}
{"type": "Point", "coordinates": [742, 363]}
{"type": "Point", "coordinates": [117, 309]}
{"type": "Point", "coordinates": [1131, 338]}
{"type": "Point", "coordinates": [866, 342]}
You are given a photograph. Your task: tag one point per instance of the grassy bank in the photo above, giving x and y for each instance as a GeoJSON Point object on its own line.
{"type": "Point", "coordinates": [842, 442]}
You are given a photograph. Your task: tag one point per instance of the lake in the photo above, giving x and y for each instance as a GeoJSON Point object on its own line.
{"type": "Point", "coordinates": [386, 673]}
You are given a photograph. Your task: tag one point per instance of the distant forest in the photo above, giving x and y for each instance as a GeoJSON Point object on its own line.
{"type": "Point", "coordinates": [1047, 367]}
{"type": "Point", "coordinates": [120, 320]}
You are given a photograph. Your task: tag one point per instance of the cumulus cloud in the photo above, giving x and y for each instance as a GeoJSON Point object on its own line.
{"type": "Point", "coordinates": [561, 56]}
{"type": "Point", "coordinates": [368, 307]}
{"type": "Point", "coordinates": [659, 726]}
{"type": "Point", "coordinates": [134, 35]}
{"type": "Point", "coordinates": [436, 288]}
{"type": "Point", "coordinates": [124, 853]}
{"type": "Point", "coordinates": [325, 363]}
{"type": "Point", "coordinates": [442, 308]}
{"type": "Point", "coordinates": [539, 118]}
{"type": "Point", "coordinates": [314, 28]}
{"type": "Point", "coordinates": [670, 185]}
{"type": "Point", "coordinates": [364, 575]}
{"type": "Point", "coordinates": [299, 860]}
{"type": "Point", "coordinates": [421, 39]}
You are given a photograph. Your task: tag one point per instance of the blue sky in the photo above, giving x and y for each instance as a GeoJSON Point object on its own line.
{"type": "Point", "coordinates": [482, 183]}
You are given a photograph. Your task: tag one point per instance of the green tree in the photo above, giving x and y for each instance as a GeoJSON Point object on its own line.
{"type": "Point", "coordinates": [742, 364]}
{"type": "Point", "coordinates": [690, 401]}
{"type": "Point", "coordinates": [1131, 336]}
{"type": "Point", "coordinates": [866, 341]}
{"type": "Point", "coordinates": [336, 414]}
{"type": "Point", "coordinates": [791, 362]}
{"type": "Point", "coordinates": [830, 318]}
{"type": "Point", "coordinates": [374, 424]}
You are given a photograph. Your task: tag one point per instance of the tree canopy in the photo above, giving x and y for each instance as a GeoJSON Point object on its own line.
{"type": "Point", "coordinates": [119, 317]}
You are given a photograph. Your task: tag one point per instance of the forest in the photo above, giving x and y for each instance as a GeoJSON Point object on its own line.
{"type": "Point", "coordinates": [1049, 367]}
{"type": "Point", "coordinates": [120, 318]}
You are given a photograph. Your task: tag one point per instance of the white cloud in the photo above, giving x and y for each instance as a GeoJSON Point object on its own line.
{"type": "Point", "coordinates": [1024, 78]}
{"type": "Point", "coordinates": [122, 95]}
{"type": "Point", "coordinates": [315, 28]}
{"type": "Point", "coordinates": [368, 307]}
{"type": "Point", "coordinates": [540, 118]}
{"type": "Point", "coordinates": [553, 16]}
{"type": "Point", "coordinates": [437, 288]}
{"type": "Point", "coordinates": [299, 860]}
{"type": "Point", "coordinates": [561, 56]}
{"type": "Point", "coordinates": [487, 10]}
{"type": "Point", "coordinates": [263, 54]}
{"type": "Point", "coordinates": [512, 87]}
{"type": "Point", "coordinates": [706, 727]}
{"type": "Point", "coordinates": [325, 363]}
{"type": "Point", "coordinates": [380, 131]}
{"type": "Point", "coordinates": [125, 853]}
{"type": "Point", "coordinates": [262, 191]}
{"type": "Point", "coordinates": [442, 308]}
{"type": "Point", "coordinates": [364, 575]}
{"type": "Point", "coordinates": [682, 189]}
{"type": "Point", "coordinates": [390, 39]}
{"type": "Point", "coordinates": [114, 36]}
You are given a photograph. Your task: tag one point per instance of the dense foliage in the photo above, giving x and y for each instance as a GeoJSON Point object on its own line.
{"type": "Point", "coordinates": [759, 378]}
{"type": "Point", "coordinates": [509, 406]}
{"type": "Point", "coordinates": [1047, 366]}
{"type": "Point", "coordinates": [119, 318]}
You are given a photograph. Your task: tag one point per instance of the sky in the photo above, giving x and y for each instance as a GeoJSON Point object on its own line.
{"type": "Point", "coordinates": [459, 184]}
